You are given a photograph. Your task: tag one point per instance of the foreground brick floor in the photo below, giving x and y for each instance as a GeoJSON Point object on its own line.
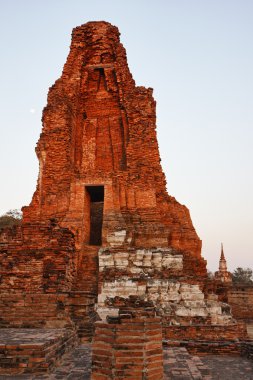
{"type": "Point", "coordinates": [229, 367]}
{"type": "Point", "coordinates": [178, 364]}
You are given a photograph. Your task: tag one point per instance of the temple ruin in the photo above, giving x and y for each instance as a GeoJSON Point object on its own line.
{"type": "Point", "coordinates": [101, 237]}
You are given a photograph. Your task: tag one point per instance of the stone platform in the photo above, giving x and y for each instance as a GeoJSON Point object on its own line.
{"type": "Point", "coordinates": [33, 350]}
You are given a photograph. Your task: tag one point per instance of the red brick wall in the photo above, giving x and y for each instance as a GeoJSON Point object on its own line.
{"type": "Point", "coordinates": [205, 332]}
{"type": "Point", "coordinates": [239, 296]}
{"type": "Point", "coordinates": [240, 299]}
{"type": "Point", "coordinates": [37, 272]}
{"type": "Point", "coordinates": [37, 258]}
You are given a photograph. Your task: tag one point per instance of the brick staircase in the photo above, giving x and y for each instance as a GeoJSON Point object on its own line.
{"type": "Point", "coordinates": [84, 293]}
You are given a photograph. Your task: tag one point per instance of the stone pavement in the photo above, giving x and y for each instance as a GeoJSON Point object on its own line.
{"type": "Point", "coordinates": [229, 367]}
{"type": "Point", "coordinates": [178, 365]}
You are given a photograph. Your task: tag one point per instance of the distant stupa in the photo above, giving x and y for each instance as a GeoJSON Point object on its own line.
{"type": "Point", "coordinates": [222, 274]}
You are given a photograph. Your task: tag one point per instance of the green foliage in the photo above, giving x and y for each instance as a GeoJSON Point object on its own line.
{"type": "Point", "coordinates": [243, 275]}
{"type": "Point", "coordinates": [10, 218]}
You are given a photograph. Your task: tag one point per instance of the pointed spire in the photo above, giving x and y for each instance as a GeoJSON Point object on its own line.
{"type": "Point", "coordinates": [222, 256]}
{"type": "Point", "coordinates": [223, 262]}
{"type": "Point", "coordinates": [222, 274]}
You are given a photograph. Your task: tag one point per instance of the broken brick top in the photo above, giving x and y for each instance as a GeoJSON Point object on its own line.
{"type": "Point", "coordinates": [99, 129]}
{"type": "Point", "coordinates": [109, 124]}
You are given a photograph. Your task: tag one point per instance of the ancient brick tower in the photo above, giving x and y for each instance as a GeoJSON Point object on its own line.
{"type": "Point", "coordinates": [98, 144]}
{"type": "Point", "coordinates": [100, 178]}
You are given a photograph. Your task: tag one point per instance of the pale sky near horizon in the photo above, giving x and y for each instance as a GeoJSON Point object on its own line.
{"type": "Point", "coordinates": [198, 57]}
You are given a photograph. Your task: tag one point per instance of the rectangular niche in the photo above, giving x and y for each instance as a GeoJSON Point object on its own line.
{"type": "Point", "coordinates": [96, 195]}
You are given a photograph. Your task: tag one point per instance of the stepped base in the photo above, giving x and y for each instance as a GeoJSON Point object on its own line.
{"type": "Point", "coordinates": [33, 350]}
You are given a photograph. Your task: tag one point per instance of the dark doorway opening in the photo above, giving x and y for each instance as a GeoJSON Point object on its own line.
{"type": "Point", "coordinates": [96, 194]}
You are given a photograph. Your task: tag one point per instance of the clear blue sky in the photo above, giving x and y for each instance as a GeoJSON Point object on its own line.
{"type": "Point", "coordinates": [198, 57]}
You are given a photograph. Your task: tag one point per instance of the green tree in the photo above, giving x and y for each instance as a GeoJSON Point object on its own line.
{"type": "Point", "coordinates": [242, 275]}
{"type": "Point", "coordinates": [10, 218]}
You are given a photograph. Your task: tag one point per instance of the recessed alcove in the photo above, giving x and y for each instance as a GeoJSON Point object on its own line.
{"type": "Point", "coordinates": [96, 195]}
